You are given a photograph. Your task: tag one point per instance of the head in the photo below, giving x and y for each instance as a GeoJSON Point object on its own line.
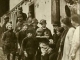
{"type": "Point", "coordinates": [20, 9]}
{"type": "Point", "coordinates": [55, 26]}
{"type": "Point", "coordinates": [43, 23]}
{"type": "Point", "coordinates": [66, 23]}
{"type": "Point", "coordinates": [29, 14]}
{"type": "Point", "coordinates": [9, 26]}
{"type": "Point", "coordinates": [34, 22]}
{"type": "Point", "coordinates": [39, 31]}
{"type": "Point", "coordinates": [75, 20]}
{"type": "Point", "coordinates": [20, 18]}
{"type": "Point", "coordinates": [6, 19]}
{"type": "Point", "coordinates": [44, 45]}
{"type": "Point", "coordinates": [29, 21]}
{"type": "Point", "coordinates": [60, 30]}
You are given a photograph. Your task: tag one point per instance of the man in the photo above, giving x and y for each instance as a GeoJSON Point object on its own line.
{"type": "Point", "coordinates": [6, 20]}
{"type": "Point", "coordinates": [19, 23]}
{"type": "Point", "coordinates": [35, 23]}
{"type": "Point", "coordinates": [20, 11]}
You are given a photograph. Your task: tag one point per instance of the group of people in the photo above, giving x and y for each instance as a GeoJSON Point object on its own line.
{"type": "Point", "coordinates": [30, 42]}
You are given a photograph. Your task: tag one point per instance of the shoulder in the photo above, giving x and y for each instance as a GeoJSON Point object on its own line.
{"type": "Point", "coordinates": [71, 30]}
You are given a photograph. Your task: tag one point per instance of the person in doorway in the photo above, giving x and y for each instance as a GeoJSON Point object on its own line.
{"type": "Point", "coordinates": [9, 42]}
{"type": "Point", "coordinates": [20, 11]}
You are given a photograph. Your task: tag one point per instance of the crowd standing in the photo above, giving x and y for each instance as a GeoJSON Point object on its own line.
{"type": "Point", "coordinates": [30, 42]}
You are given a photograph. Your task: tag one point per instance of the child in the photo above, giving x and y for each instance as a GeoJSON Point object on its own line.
{"type": "Point", "coordinates": [9, 42]}
{"type": "Point", "coordinates": [46, 50]}
{"type": "Point", "coordinates": [46, 31]}
{"type": "Point", "coordinates": [29, 45]}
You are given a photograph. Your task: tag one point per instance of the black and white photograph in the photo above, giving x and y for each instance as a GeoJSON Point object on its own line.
{"type": "Point", "coordinates": [39, 29]}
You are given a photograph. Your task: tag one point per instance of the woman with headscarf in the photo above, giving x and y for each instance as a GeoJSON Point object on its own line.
{"type": "Point", "coordinates": [66, 23]}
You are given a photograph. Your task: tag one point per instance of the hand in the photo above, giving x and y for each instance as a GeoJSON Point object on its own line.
{"type": "Point", "coordinates": [25, 53]}
{"type": "Point", "coordinates": [18, 46]}
{"type": "Point", "coordinates": [73, 56]}
{"type": "Point", "coordinates": [51, 41]}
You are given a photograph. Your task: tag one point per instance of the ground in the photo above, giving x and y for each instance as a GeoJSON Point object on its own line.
{"type": "Point", "coordinates": [2, 56]}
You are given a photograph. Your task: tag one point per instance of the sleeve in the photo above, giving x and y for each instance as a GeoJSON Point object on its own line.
{"type": "Point", "coordinates": [23, 46]}
{"type": "Point", "coordinates": [3, 36]}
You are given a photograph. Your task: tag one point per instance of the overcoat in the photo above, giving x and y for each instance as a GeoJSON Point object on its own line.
{"type": "Point", "coordinates": [67, 44]}
{"type": "Point", "coordinates": [9, 42]}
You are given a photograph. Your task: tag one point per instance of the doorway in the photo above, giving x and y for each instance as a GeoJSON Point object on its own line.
{"type": "Point", "coordinates": [31, 9]}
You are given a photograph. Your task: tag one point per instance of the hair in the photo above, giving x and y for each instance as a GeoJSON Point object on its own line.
{"type": "Point", "coordinates": [76, 18]}
{"type": "Point", "coordinates": [67, 21]}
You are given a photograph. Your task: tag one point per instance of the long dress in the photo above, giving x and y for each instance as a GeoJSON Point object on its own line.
{"type": "Point", "coordinates": [75, 47]}
{"type": "Point", "coordinates": [67, 43]}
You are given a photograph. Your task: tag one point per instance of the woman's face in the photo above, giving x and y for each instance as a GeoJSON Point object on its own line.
{"type": "Point", "coordinates": [63, 25]}
{"type": "Point", "coordinates": [73, 23]}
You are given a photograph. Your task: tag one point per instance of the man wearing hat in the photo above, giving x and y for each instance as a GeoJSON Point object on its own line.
{"type": "Point", "coordinates": [20, 11]}
{"type": "Point", "coordinates": [19, 23]}
{"type": "Point", "coordinates": [6, 20]}
{"type": "Point", "coordinates": [46, 31]}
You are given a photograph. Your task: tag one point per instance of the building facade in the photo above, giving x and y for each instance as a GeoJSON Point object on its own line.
{"type": "Point", "coordinates": [50, 10]}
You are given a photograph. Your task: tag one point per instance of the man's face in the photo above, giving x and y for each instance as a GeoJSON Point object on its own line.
{"type": "Point", "coordinates": [43, 25]}
{"type": "Point", "coordinates": [20, 18]}
{"type": "Point", "coordinates": [6, 20]}
{"type": "Point", "coordinates": [34, 24]}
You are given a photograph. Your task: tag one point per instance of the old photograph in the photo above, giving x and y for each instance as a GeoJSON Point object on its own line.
{"type": "Point", "coordinates": [39, 29]}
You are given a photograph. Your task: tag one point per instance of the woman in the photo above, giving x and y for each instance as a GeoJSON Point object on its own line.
{"type": "Point", "coordinates": [75, 46]}
{"type": "Point", "coordinates": [67, 43]}
{"type": "Point", "coordinates": [66, 23]}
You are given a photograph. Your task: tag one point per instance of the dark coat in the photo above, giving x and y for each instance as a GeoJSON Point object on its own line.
{"type": "Point", "coordinates": [60, 45]}
{"type": "Point", "coordinates": [21, 36]}
{"type": "Point", "coordinates": [49, 56]}
{"type": "Point", "coordinates": [9, 42]}
{"type": "Point", "coordinates": [29, 45]}
{"type": "Point", "coordinates": [48, 32]}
